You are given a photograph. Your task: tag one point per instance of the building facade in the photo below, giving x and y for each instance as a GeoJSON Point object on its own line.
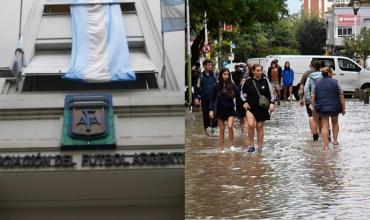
{"type": "Point", "coordinates": [320, 7]}
{"type": "Point", "coordinates": [135, 172]}
{"type": "Point", "coordinates": [341, 22]}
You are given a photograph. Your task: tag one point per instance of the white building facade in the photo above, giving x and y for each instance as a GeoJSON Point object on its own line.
{"type": "Point", "coordinates": [341, 22]}
{"type": "Point", "coordinates": [140, 175]}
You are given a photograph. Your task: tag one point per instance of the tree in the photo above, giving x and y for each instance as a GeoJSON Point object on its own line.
{"type": "Point", "coordinates": [311, 36]}
{"type": "Point", "coordinates": [263, 39]}
{"type": "Point", "coordinates": [350, 46]}
{"type": "Point", "coordinates": [242, 14]}
{"type": "Point", "coordinates": [359, 45]}
{"type": "Point", "coordinates": [364, 42]}
{"type": "Point", "coordinates": [234, 12]}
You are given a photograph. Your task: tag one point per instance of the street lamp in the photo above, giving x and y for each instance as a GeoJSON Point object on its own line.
{"type": "Point", "coordinates": [356, 6]}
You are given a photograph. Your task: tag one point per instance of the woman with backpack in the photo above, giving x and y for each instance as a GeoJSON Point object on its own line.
{"type": "Point", "coordinates": [258, 104]}
{"type": "Point", "coordinates": [222, 101]}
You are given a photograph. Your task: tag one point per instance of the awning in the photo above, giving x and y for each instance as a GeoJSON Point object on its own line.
{"type": "Point", "coordinates": [56, 62]}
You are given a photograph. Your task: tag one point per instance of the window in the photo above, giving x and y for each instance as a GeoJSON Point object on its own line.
{"type": "Point", "coordinates": [56, 9]}
{"type": "Point", "coordinates": [347, 65]}
{"type": "Point", "coordinates": [53, 83]}
{"type": "Point", "coordinates": [343, 31]}
{"type": "Point", "coordinates": [340, 32]}
{"type": "Point", "coordinates": [64, 9]}
{"type": "Point", "coordinates": [326, 62]}
{"type": "Point", "coordinates": [128, 7]}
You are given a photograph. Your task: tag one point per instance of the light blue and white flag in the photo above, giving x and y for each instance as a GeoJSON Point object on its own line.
{"type": "Point", "coordinates": [19, 59]}
{"type": "Point", "coordinates": [173, 15]}
{"type": "Point", "coordinates": [99, 46]}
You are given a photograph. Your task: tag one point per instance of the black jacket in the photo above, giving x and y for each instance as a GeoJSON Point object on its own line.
{"type": "Point", "coordinates": [237, 76]}
{"type": "Point", "coordinates": [205, 86]}
{"type": "Point", "coordinates": [250, 92]}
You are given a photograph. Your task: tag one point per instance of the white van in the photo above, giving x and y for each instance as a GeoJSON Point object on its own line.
{"type": "Point", "coordinates": [231, 66]}
{"type": "Point", "coordinates": [367, 63]}
{"type": "Point", "coordinates": [349, 73]}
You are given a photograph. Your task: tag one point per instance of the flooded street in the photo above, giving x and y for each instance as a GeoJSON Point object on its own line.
{"type": "Point", "coordinates": [292, 178]}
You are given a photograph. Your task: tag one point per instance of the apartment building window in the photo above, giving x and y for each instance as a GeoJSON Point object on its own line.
{"type": "Point", "coordinates": [128, 7]}
{"type": "Point", "coordinates": [56, 9]}
{"type": "Point", "coordinates": [344, 31]}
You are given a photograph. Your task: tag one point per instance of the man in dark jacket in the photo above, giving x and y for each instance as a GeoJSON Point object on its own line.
{"type": "Point", "coordinates": [203, 92]}
{"type": "Point", "coordinates": [237, 75]}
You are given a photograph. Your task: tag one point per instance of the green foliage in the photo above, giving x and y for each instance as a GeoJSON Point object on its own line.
{"type": "Point", "coordinates": [350, 46]}
{"type": "Point", "coordinates": [262, 27]}
{"type": "Point", "coordinates": [261, 40]}
{"type": "Point", "coordinates": [364, 38]}
{"type": "Point", "coordinates": [311, 35]}
{"type": "Point", "coordinates": [235, 12]}
{"type": "Point", "coordinates": [221, 49]}
{"type": "Point", "coordinates": [359, 45]}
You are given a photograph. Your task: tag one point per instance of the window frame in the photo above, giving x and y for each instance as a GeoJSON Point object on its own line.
{"type": "Point", "coordinates": [53, 9]}
{"type": "Point", "coordinates": [355, 69]}
{"type": "Point", "coordinates": [346, 31]}
{"type": "Point", "coordinates": [331, 60]}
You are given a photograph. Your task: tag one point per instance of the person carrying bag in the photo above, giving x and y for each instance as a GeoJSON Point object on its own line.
{"type": "Point", "coordinates": [258, 105]}
{"type": "Point", "coordinates": [263, 102]}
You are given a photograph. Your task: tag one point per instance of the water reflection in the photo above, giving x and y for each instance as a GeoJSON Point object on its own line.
{"type": "Point", "coordinates": [292, 178]}
{"type": "Point", "coordinates": [325, 172]}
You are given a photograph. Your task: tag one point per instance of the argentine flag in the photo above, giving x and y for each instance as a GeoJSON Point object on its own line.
{"type": "Point", "coordinates": [173, 15]}
{"type": "Point", "coordinates": [99, 46]}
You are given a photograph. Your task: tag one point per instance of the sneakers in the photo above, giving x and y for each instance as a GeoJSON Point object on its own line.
{"type": "Point", "coordinates": [209, 131]}
{"type": "Point", "coordinates": [232, 148]}
{"type": "Point", "coordinates": [315, 137]}
{"type": "Point", "coordinates": [215, 132]}
{"type": "Point", "coordinates": [251, 149]}
{"type": "Point", "coordinates": [212, 132]}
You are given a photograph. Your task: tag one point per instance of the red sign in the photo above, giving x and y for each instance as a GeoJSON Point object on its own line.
{"type": "Point", "coordinates": [348, 19]}
{"type": "Point", "coordinates": [228, 27]}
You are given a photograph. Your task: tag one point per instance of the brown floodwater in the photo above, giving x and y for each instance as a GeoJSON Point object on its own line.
{"type": "Point", "coordinates": [292, 178]}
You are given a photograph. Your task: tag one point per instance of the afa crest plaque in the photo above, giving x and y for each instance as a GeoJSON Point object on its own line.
{"type": "Point", "coordinates": [88, 122]}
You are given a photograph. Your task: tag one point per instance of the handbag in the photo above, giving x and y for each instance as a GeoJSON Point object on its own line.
{"type": "Point", "coordinates": [262, 101]}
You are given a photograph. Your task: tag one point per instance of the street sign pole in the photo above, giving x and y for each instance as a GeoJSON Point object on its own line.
{"type": "Point", "coordinates": [190, 86]}
{"type": "Point", "coordinates": [205, 34]}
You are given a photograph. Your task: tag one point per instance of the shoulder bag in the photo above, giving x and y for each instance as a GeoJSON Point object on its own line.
{"type": "Point", "coordinates": [262, 101]}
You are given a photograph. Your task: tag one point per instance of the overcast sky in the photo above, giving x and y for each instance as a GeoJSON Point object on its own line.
{"type": "Point", "coordinates": [294, 6]}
